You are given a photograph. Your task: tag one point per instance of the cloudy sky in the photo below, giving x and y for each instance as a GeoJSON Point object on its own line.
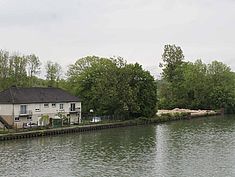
{"type": "Point", "coordinates": [65, 30]}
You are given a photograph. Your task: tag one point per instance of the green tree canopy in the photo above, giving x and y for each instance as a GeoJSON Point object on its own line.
{"type": "Point", "coordinates": [53, 73]}
{"type": "Point", "coordinates": [172, 60]}
{"type": "Point", "coordinates": [195, 85]}
{"type": "Point", "coordinates": [110, 86]}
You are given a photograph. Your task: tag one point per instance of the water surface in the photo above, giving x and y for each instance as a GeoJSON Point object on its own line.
{"type": "Point", "coordinates": [198, 147]}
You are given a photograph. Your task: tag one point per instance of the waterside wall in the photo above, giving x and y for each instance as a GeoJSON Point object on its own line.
{"type": "Point", "coordinates": [75, 129]}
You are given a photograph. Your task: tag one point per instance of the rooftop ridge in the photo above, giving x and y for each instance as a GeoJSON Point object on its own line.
{"type": "Point", "coordinates": [20, 95]}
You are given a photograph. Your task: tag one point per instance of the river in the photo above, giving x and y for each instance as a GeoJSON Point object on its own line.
{"type": "Point", "coordinates": [198, 147]}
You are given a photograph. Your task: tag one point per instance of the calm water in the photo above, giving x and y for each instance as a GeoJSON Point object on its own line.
{"type": "Point", "coordinates": [199, 147]}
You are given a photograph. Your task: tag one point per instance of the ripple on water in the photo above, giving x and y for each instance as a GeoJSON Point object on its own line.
{"type": "Point", "coordinates": [199, 147]}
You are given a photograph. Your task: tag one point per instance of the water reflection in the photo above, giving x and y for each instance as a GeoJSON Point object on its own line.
{"type": "Point", "coordinates": [199, 147]}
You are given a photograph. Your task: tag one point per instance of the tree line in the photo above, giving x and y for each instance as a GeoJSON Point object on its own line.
{"type": "Point", "coordinates": [23, 70]}
{"type": "Point", "coordinates": [195, 85]}
{"type": "Point", "coordinates": [108, 86]}
{"type": "Point", "coordinates": [111, 86]}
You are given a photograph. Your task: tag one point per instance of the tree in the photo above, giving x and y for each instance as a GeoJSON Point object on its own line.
{"type": "Point", "coordinates": [173, 58]}
{"type": "Point", "coordinates": [21, 70]}
{"type": "Point", "coordinates": [33, 66]}
{"type": "Point", "coordinates": [76, 69]}
{"type": "Point", "coordinates": [53, 73]}
{"type": "Point", "coordinates": [17, 70]}
{"type": "Point", "coordinates": [81, 65]}
{"type": "Point", "coordinates": [140, 96]}
{"type": "Point", "coordinates": [195, 86]}
{"type": "Point", "coordinates": [198, 86]}
{"type": "Point", "coordinates": [222, 85]}
{"type": "Point", "coordinates": [173, 76]}
{"type": "Point", "coordinates": [110, 86]}
{"type": "Point", "coordinates": [96, 88]}
{"type": "Point", "coordinates": [4, 61]}
{"type": "Point", "coordinates": [4, 69]}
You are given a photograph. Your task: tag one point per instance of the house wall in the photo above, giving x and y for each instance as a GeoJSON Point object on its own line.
{"type": "Point", "coordinates": [37, 111]}
{"type": "Point", "coordinates": [6, 109]}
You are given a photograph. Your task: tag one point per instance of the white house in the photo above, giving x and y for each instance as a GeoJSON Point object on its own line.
{"type": "Point", "coordinates": [24, 105]}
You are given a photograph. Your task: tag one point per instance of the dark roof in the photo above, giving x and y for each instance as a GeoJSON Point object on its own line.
{"type": "Point", "coordinates": [15, 95]}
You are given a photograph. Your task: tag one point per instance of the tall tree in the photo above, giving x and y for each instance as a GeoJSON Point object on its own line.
{"type": "Point", "coordinates": [33, 67]}
{"type": "Point", "coordinates": [195, 85]}
{"type": "Point", "coordinates": [140, 96]}
{"type": "Point", "coordinates": [53, 73]}
{"type": "Point", "coordinates": [4, 64]}
{"type": "Point", "coordinates": [95, 86]}
{"type": "Point", "coordinates": [76, 69]}
{"type": "Point", "coordinates": [17, 69]}
{"type": "Point", "coordinates": [4, 69]}
{"type": "Point", "coordinates": [172, 59]}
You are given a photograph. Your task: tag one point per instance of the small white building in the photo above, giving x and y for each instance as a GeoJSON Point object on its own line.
{"type": "Point", "coordinates": [24, 105]}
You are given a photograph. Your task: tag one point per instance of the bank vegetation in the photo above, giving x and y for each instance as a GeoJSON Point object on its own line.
{"type": "Point", "coordinates": [111, 86]}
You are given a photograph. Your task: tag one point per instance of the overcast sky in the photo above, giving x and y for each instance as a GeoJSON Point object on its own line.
{"type": "Point", "coordinates": [65, 30]}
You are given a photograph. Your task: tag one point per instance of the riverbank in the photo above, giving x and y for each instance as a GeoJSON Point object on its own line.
{"type": "Point", "coordinates": [164, 117]}
{"type": "Point", "coordinates": [193, 113]}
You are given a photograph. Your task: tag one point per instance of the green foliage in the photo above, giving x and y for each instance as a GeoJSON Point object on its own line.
{"type": "Point", "coordinates": [173, 77]}
{"type": "Point", "coordinates": [110, 86]}
{"type": "Point", "coordinates": [33, 68]}
{"type": "Point", "coordinates": [172, 60]}
{"type": "Point", "coordinates": [44, 119]}
{"type": "Point", "coordinates": [140, 92]}
{"type": "Point", "coordinates": [196, 85]}
{"type": "Point", "coordinates": [12, 70]}
{"type": "Point", "coordinates": [53, 73]}
{"type": "Point", "coordinates": [22, 71]}
{"type": "Point", "coordinates": [97, 87]}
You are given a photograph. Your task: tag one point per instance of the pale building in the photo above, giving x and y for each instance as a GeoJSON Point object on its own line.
{"type": "Point", "coordinates": [24, 105]}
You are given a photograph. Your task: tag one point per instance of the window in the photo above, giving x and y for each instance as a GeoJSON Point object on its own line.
{"type": "Point", "coordinates": [23, 109]}
{"type": "Point", "coordinates": [53, 105]}
{"type": "Point", "coordinates": [38, 108]}
{"type": "Point", "coordinates": [72, 107]}
{"type": "Point", "coordinates": [46, 105]}
{"type": "Point", "coordinates": [29, 118]}
{"type": "Point", "coordinates": [61, 106]}
{"type": "Point", "coordinates": [17, 119]}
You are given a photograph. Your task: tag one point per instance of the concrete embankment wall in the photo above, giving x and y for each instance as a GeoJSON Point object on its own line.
{"type": "Point", "coordinates": [74, 129]}
{"type": "Point", "coordinates": [47, 132]}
